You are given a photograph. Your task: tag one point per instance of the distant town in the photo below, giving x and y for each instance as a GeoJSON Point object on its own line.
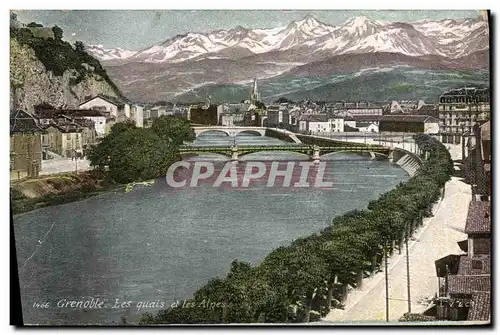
{"type": "Point", "coordinates": [69, 132]}
{"type": "Point", "coordinates": [411, 175]}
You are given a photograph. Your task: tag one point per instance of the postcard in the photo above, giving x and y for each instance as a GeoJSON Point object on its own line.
{"type": "Point", "coordinates": [229, 167]}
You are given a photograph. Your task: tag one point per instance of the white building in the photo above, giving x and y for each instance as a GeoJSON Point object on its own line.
{"type": "Point", "coordinates": [337, 124]}
{"type": "Point", "coordinates": [114, 107]}
{"type": "Point", "coordinates": [137, 115]}
{"type": "Point", "coordinates": [367, 127]}
{"type": "Point", "coordinates": [358, 109]}
{"type": "Point", "coordinates": [320, 123]}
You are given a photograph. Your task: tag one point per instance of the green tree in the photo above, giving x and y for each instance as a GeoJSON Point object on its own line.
{"type": "Point", "coordinates": [131, 154]}
{"type": "Point", "coordinates": [299, 271]}
{"type": "Point", "coordinates": [260, 105]}
{"type": "Point", "coordinates": [173, 129]}
{"type": "Point", "coordinates": [58, 33]}
{"type": "Point", "coordinates": [34, 25]}
{"type": "Point", "coordinates": [139, 154]}
{"type": "Point", "coordinates": [283, 100]}
{"type": "Point", "coordinates": [79, 47]}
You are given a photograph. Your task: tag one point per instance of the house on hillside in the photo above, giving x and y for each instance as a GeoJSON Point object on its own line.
{"type": "Point", "coordinates": [109, 106]}
{"type": "Point", "coordinates": [50, 115]}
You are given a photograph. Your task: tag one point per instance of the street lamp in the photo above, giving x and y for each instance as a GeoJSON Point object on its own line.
{"type": "Point", "coordinates": [462, 140]}
{"type": "Point", "coordinates": [76, 162]}
{"type": "Point", "coordinates": [233, 134]}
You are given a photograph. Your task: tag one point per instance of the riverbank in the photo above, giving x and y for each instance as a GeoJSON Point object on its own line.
{"type": "Point", "coordinates": [57, 189]}
{"type": "Point", "coordinates": [437, 238]}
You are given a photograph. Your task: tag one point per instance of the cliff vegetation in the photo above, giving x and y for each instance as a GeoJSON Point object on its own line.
{"type": "Point", "coordinates": [46, 69]}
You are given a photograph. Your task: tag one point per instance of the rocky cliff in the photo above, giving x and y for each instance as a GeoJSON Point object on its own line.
{"type": "Point", "coordinates": [32, 84]}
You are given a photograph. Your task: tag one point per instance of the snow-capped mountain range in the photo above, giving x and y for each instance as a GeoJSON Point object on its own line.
{"type": "Point", "coordinates": [449, 38]}
{"type": "Point", "coordinates": [224, 60]}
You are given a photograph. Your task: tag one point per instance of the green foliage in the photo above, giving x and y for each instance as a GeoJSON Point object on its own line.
{"type": "Point", "coordinates": [136, 154]}
{"type": "Point", "coordinates": [283, 100]}
{"type": "Point", "coordinates": [173, 129]}
{"type": "Point", "coordinates": [79, 47]}
{"type": "Point", "coordinates": [293, 280]}
{"type": "Point", "coordinates": [260, 104]}
{"type": "Point", "coordinates": [58, 33]}
{"type": "Point", "coordinates": [59, 56]}
{"type": "Point", "coordinates": [139, 155]}
{"type": "Point", "coordinates": [34, 24]}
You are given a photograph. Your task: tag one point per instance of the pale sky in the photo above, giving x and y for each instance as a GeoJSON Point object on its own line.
{"type": "Point", "coordinates": [138, 29]}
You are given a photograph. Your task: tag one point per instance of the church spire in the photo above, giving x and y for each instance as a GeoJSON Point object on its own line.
{"type": "Point", "coordinates": [255, 96]}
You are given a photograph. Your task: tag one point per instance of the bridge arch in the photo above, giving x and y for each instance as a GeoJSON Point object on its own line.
{"type": "Point", "coordinates": [305, 155]}
{"type": "Point", "coordinates": [193, 153]}
{"type": "Point", "coordinates": [371, 153]}
{"type": "Point", "coordinates": [249, 132]}
{"type": "Point", "coordinates": [214, 131]}
{"type": "Point", "coordinates": [230, 131]}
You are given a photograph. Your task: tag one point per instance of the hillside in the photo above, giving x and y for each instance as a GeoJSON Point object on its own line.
{"type": "Point", "coordinates": [347, 63]}
{"type": "Point", "coordinates": [44, 69]}
{"type": "Point", "coordinates": [375, 84]}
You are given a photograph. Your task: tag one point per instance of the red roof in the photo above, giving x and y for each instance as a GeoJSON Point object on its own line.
{"type": "Point", "coordinates": [474, 266]}
{"type": "Point", "coordinates": [458, 284]}
{"type": "Point", "coordinates": [478, 218]}
{"type": "Point", "coordinates": [480, 309]}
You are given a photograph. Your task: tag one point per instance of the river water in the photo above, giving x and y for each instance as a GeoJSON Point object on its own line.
{"type": "Point", "coordinates": [155, 245]}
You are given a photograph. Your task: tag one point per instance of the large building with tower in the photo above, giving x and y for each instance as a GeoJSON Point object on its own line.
{"type": "Point", "coordinates": [460, 110]}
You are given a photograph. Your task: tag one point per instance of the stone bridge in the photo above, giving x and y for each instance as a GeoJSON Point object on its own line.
{"type": "Point", "coordinates": [315, 152]}
{"type": "Point", "coordinates": [230, 131]}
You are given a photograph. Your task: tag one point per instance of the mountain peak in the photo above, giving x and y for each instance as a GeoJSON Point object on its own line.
{"type": "Point", "coordinates": [307, 21]}
{"type": "Point", "coordinates": [361, 26]}
{"type": "Point", "coordinates": [358, 21]}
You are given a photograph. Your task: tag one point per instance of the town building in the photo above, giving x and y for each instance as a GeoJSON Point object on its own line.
{"type": "Point", "coordinates": [114, 107]}
{"type": "Point", "coordinates": [278, 116]}
{"type": "Point", "coordinates": [485, 139]}
{"type": "Point", "coordinates": [47, 116]}
{"type": "Point", "coordinates": [365, 123]}
{"type": "Point", "coordinates": [204, 114]}
{"type": "Point", "coordinates": [367, 126]}
{"type": "Point", "coordinates": [465, 279]}
{"type": "Point", "coordinates": [137, 115]}
{"type": "Point", "coordinates": [429, 110]}
{"type": "Point", "coordinates": [478, 163]}
{"type": "Point", "coordinates": [358, 109]}
{"type": "Point", "coordinates": [460, 109]}
{"type": "Point", "coordinates": [404, 123]}
{"type": "Point", "coordinates": [25, 145]}
{"type": "Point", "coordinates": [320, 123]}
{"type": "Point", "coordinates": [66, 140]}
{"type": "Point", "coordinates": [405, 106]}
{"type": "Point", "coordinates": [226, 119]}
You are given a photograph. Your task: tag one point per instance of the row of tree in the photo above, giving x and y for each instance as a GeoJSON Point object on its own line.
{"type": "Point", "coordinates": [129, 153]}
{"type": "Point", "coordinates": [312, 275]}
